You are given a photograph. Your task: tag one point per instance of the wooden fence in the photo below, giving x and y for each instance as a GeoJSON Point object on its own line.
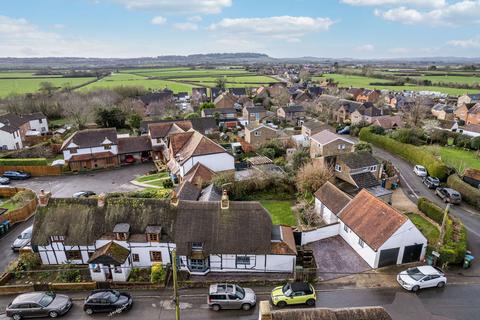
{"type": "Point", "coordinates": [36, 171]}
{"type": "Point", "coordinates": [20, 214]}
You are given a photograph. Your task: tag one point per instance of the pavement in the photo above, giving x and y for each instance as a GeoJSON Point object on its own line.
{"type": "Point", "coordinates": [452, 302]}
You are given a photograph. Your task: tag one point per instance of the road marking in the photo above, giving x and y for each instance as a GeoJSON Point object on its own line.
{"type": "Point", "coordinates": [408, 185]}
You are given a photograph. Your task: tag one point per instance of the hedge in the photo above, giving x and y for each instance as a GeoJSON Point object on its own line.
{"type": "Point", "coordinates": [24, 162]}
{"type": "Point", "coordinates": [413, 154]}
{"type": "Point", "coordinates": [430, 209]}
{"type": "Point", "coordinates": [469, 194]}
{"type": "Point", "coordinates": [454, 242]}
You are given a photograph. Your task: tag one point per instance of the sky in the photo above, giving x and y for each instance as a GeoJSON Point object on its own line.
{"type": "Point", "coordinates": [279, 28]}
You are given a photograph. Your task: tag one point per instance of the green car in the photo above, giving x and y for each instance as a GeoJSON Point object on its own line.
{"type": "Point", "coordinates": [294, 293]}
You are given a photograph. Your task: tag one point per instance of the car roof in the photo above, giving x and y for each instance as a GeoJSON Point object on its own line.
{"type": "Point", "coordinates": [221, 288]}
{"type": "Point", "coordinates": [429, 270]}
{"type": "Point", "coordinates": [28, 297]}
{"type": "Point", "coordinates": [28, 230]}
{"type": "Point", "coordinates": [99, 294]}
{"type": "Point", "coordinates": [300, 286]}
{"type": "Point", "coordinates": [420, 166]}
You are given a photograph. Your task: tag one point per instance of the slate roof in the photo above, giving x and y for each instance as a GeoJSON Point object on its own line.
{"type": "Point", "coordinates": [357, 160]}
{"type": "Point", "coordinates": [316, 125]}
{"type": "Point", "coordinates": [475, 97]}
{"type": "Point", "coordinates": [371, 219]}
{"type": "Point", "coordinates": [156, 96]}
{"type": "Point", "coordinates": [134, 144]}
{"type": "Point", "coordinates": [332, 197]}
{"type": "Point", "coordinates": [475, 109]}
{"type": "Point", "coordinates": [110, 254]}
{"type": "Point", "coordinates": [188, 191]}
{"type": "Point", "coordinates": [365, 180]}
{"type": "Point", "coordinates": [255, 109]}
{"type": "Point", "coordinates": [326, 136]}
{"type": "Point", "coordinates": [293, 108]}
{"type": "Point", "coordinates": [238, 91]}
{"type": "Point", "coordinates": [202, 125]}
{"type": "Point", "coordinates": [210, 193]}
{"type": "Point", "coordinates": [212, 111]}
{"type": "Point", "coordinates": [91, 138]}
{"type": "Point", "coordinates": [12, 122]}
{"type": "Point", "coordinates": [199, 174]}
{"type": "Point", "coordinates": [372, 112]}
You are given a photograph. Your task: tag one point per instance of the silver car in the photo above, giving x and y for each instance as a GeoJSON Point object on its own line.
{"type": "Point", "coordinates": [38, 304]}
{"type": "Point", "coordinates": [23, 240]}
{"type": "Point", "coordinates": [230, 296]}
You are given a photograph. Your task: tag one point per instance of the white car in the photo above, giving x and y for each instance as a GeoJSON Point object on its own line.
{"type": "Point", "coordinates": [421, 277]}
{"type": "Point", "coordinates": [420, 170]}
{"type": "Point", "coordinates": [23, 240]}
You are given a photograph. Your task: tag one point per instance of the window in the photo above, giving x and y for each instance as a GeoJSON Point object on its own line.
{"type": "Point", "coordinates": [107, 146]}
{"type": "Point", "coordinates": [57, 238]}
{"type": "Point", "coordinates": [159, 140]}
{"type": "Point", "coordinates": [135, 257]}
{"type": "Point", "coordinates": [117, 269]}
{"type": "Point", "coordinates": [96, 268]}
{"type": "Point", "coordinates": [257, 133]}
{"type": "Point", "coordinates": [155, 256]}
{"type": "Point", "coordinates": [341, 147]}
{"type": "Point", "coordinates": [73, 150]}
{"type": "Point", "coordinates": [197, 245]}
{"type": "Point", "coordinates": [152, 237]}
{"type": "Point", "coordinates": [40, 120]}
{"type": "Point", "coordinates": [121, 236]}
{"type": "Point", "coordinates": [243, 260]}
{"type": "Point", "coordinates": [373, 168]}
{"type": "Point", "coordinates": [218, 297]}
{"type": "Point", "coordinates": [360, 242]}
{"type": "Point", "coordinates": [338, 168]}
{"type": "Point", "coordinates": [73, 255]}
{"type": "Point", "coordinates": [345, 228]}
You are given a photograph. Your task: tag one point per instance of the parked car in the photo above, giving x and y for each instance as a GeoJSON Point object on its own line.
{"type": "Point", "coordinates": [294, 293]}
{"type": "Point", "coordinates": [58, 163]}
{"type": "Point", "coordinates": [421, 277]}
{"type": "Point", "coordinates": [129, 159]}
{"type": "Point", "coordinates": [449, 195]}
{"type": "Point", "coordinates": [23, 240]}
{"type": "Point", "coordinates": [107, 301]}
{"type": "Point", "coordinates": [345, 130]}
{"type": "Point", "coordinates": [4, 181]}
{"type": "Point", "coordinates": [431, 182]}
{"type": "Point", "coordinates": [230, 296]}
{"type": "Point", "coordinates": [16, 175]}
{"type": "Point", "coordinates": [38, 304]}
{"type": "Point", "coordinates": [420, 170]}
{"type": "Point", "coordinates": [84, 194]}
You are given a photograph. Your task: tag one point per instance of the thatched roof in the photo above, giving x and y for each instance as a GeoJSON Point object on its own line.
{"type": "Point", "coordinates": [369, 313]}
{"type": "Point", "coordinates": [243, 228]}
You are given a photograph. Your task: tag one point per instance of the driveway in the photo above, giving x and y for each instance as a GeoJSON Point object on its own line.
{"type": "Point", "coordinates": [335, 258]}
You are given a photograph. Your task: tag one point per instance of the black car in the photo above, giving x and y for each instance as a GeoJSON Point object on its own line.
{"type": "Point", "coordinates": [107, 301]}
{"type": "Point", "coordinates": [431, 182]}
{"type": "Point", "coordinates": [16, 175]}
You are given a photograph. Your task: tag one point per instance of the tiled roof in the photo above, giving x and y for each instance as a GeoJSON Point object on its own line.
{"type": "Point", "coordinates": [332, 197]}
{"type": "Point", "coordinates": [91, 138]}
{"type": "Point", "coordinates": [371, 219]}
{"type": "Point", "coordinates": [161, 130]}
{"type": "Point", "coordinates": [199, 174]}
{"type": "Point", "coordinates": [365, 180]}
{"type": "Point", "coordinates": [326, 136]}
{"type": "Point", "coordinates": [110, 254]}
{"type": "Point", "coordinates": [188, 191]}
{"type": "Point", "coordinates": [357, 160]}
{"type": "Point", "coordinates": [192, 143]}
{"type": "Point", "coordinates": [134, 144]}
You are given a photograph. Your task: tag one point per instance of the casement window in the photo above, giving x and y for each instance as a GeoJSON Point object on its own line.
{"type": "Point", "coordinates": [360, 242]}
{"type": "Point", "coordinates": [73, 255]}
{"type": "Point", "coordinates": [197, 245]}
{"type": "Point", "coordinates": [243, 260]}
{"type": "Point", "coordinates": [257, 133]}
{"type": "Point", "coordinates": [338, 168]}
{"type": "Point", "coordinates": [345, 228]}
{"type": "Point", "coordinates": [57, 238]}
{"type": "Point", "coordinates": [40, 120]}
{"type": "Point", "coordinates": [107, 146]}
{"type": "Point", "coordinates": [373, 168]}
{"type": "Point", "coordinates": [135, 257]}
{"type": "Point", "coordinates": [73, 150]}
{"type": "Point", "coordinates": [153, 237]}
{"type": "Point", "coordinates": [117, 269]}
{"type": "Point", "coordinates": [341, 147]}
{"type": "Point", "coordinates": [155, 256]}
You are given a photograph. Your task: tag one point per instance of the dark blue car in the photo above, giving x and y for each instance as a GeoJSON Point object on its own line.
{"type": "Point", "coordinates": [16, 175]}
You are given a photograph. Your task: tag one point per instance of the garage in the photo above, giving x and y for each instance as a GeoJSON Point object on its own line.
{"type": "Point", "coordinates": [388, 257]}
{"type": "Point", "coordinates": [412, 253]}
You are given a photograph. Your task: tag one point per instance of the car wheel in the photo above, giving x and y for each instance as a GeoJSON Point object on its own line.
{"type": "Point", "coordinates": [17, 317]}
{"type": "Point", "coordinates": [445, 200]}
{"type": "Point", "coordinates": [53, 314]}
{"type": "Point", "coordinates": [441, 284]}
{"type": "Point", "coordinates": [216, 307]}
{"type": "Point", "coordinates": [246, 306]}
{"type": "Point", "coordinates": [281, 304]}
{"type": "Point", "coordinates": [89, 311]}
{"type": "Point", "coordinates": [415, 288]}
{"type": "Point", "coordinates": [310, 302]}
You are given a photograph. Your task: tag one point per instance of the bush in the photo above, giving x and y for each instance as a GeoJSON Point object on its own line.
{"type": "Point", "coordinates": [462, 141]}
{"type": "Point", "coordinates": [454, 242]}
{"type": "Point", "coordinates": [70, 274]}
{"type": "Point", "coordinates": [413, 154]}
{"type": "Point", "coordinates": [24, 162]}
{"type": "Point", "coordinates": [430, 209]}
{"type": "Point", "coordinates": [158, 274]}
{"type": "Point", "coordinates": [409, 136]}
{"type": "Point", "coordinates": [167, 184]}
{"type": "Point", "coordinates": [312, 176]}
{"type": "Point", "coordinates": [469, 194]}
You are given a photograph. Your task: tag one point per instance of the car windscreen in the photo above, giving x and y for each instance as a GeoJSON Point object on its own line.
{"type": "Point", "coordinates": [415, 274]}
{"type": "Point", "coordinates": [239, 292]}
{"type": "Point", "coordinates": [113, 296]}
{"type": "Point", "coordinates": [46, 299]}
{"type": "Point", "coordinates": [287, 290]}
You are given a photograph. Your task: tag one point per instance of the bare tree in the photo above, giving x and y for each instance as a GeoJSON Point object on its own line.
{"type": "Point", "coordinates": [312, 176]}
{"type": "Point", "coordinates": [76, 108]}
{"type": "Point", "coordinates": [417, 113]}
{"type": "Point", "coordinates": [281, 98]}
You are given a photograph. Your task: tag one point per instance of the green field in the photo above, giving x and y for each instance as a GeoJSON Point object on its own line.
{"type": "Point", "coordinates": [24, 74]}
{"type": "Point", "coordinates": [280, 211]}
{"type": "Point", "coordinates": [230, 79]}
{"type": "Point", "coordinates": [458, 158]}
{"type": "Point", "coordinates": [452, 79]}
{"type": "Point", "coordinates": [364, 82]}
{"type": "Point", "coordinates": [31, 85]}
{"type": "Point", "coordinates": [185, 72]}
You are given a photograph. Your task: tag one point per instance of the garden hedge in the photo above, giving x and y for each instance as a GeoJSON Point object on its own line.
{"type": "Point", "coordinates": [469, 194]}
{"type": "Point", "coordinates": [24, 162]}
{"type": "Point", "coordinates": [413, 154]}
{"type": "Point", "coordinates": [454, 242]}
{"type": "Point", "coordinates": [431, 210]}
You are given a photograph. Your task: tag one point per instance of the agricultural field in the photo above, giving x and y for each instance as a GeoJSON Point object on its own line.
{"type": "Point", "coordinates": [31, 85]}
{"type": "Point", "coordinates": [364, 82]}
{"type": "Point", "coordinates": [24, 74]}
{"type": "Point", "coordinates": [452, 79]}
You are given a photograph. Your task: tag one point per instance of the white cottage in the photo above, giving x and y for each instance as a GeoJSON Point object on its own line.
{"type": "Point", "coordinates": [329, 201]}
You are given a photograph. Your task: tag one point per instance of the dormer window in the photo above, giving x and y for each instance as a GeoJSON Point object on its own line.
{"type": "Point", "coordinates": [73, 150]}
{"type": "Point", "coordinates": [57, 238]}
{"type": "Point", "coordinates": [107, 146]}
{"type": "Point", "coordinates": [153, 233]}
{"type": "Point", "coordinates": [196, 246]}
{"type": "Point", "coordinates": [121, 231]}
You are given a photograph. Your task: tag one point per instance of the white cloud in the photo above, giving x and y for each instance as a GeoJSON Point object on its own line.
{"type": "Point", "coordinates": [365, 48]}
{"type": "Point", "coordinates": [186, 26]}
{"type": "Point", "coordinates": [158, 20]}
{"type": "Point", "coordinates": [420, 3]}
{"type": "Point", "coordinates": [195, 19]}
{"type": "Point", "coordinates": [461, 12]}
{"type": "Point", "coordinates": [178, 6]}
{"type": "Point", "coordinates": [466, 43]}
{"type": "Point", "coordinates": [282, 27]}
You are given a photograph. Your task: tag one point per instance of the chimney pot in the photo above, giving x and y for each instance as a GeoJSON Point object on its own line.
{"type": "Point", "coordinates": [101, 200]}
{"type": "Point", "coordinates": [225, 202]}
{"type": "Point", "coordinates": [43, 198]}
{"type": "Point", "coordinates": [174, 198]}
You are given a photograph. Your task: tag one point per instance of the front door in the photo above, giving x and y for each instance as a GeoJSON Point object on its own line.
{"type": "Point", "coordinates": [198, 265]}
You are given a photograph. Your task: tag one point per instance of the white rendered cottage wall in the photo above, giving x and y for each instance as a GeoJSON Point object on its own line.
{"type": "Point", "coordinates": [37, 126]}
{"type": "Point", "coordinates": [10, 140]}
{"type": "Point", "coordinates": [327, 215]}
{"type": "Point", "coordinates": [67, 155]}
{"type": "Point", "coordinates": [216, 162]}
{"type": "Point", "coordinates": [367, 253]}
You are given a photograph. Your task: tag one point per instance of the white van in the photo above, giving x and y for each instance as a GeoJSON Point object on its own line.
{"type": "Point", "coordinates": [23, 239]}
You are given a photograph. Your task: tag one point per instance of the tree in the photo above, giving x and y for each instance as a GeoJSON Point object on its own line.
{"type": "Point", "coordinates": [364, 146]}
{"type": "Point", "coordinates": [475, 143]}
{"type": "Point", "coordinates": [221, 83]}
{"type": "Point", "coordinates": [430, 125]}
{"type": "Point", "coordinates": [281, 98]}
{"type": "Point", "coordinates": [76, 108]}
{"type": "Point", "coordinates": [46, 87]}
{"type": "Point", "coordinates": [192, 115]}
{"type": "Point", "coordinates": [312, 176]}
{"type": "Point", "coordinates": [110, 118]}
{"type": "Point", "coordinates": [299, 158]}
{"type": "Point", "coordinates": [134, 121]}
{"type": "Point", "coordinates": [207, 105]}
{"type": "Point", "coordinates": [418, 112]}
{"type": "Point", "coordinates": [304, 75]}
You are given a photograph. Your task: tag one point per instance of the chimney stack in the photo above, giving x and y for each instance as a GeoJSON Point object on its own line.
{"type": "Point", "coordinates": [174, 198]}
{"type": "Point", "coordinates": [43, 198]}
{"type": "Point", "coordinates": [225, 202]}
{"type": "Point", "coordinates": [101, 200]}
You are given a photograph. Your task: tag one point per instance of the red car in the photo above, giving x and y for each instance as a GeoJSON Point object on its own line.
{"type": "Point", "coordinates": [129, 159]}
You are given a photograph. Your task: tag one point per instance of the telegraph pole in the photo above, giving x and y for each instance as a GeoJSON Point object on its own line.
{"type": "Point", "coordinates": [442, 228]}
{"type": "Point", "coordinates": [175, 285]}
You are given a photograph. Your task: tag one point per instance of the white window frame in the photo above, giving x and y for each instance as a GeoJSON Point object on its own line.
{"type": "Point", "coordinates": [242, 260]}
{"type": "Point", "coordinates": [345, 228]}
{"type": "Point", "coordinates": [361, 243]}
{"type": "Point", "coordinates": [338, 168]}
{"type": "Point", "coordinates": [373, 168]}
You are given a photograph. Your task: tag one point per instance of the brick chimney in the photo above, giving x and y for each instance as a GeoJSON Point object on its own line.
{"type": "Point", "coordinates": [225, 202]}
{"type": "Point", "coordinates": [174, 198]}
{"type": "Point", "coordinates": [101, 200]}
{"type": "Point", "coordinates": [43, 198]}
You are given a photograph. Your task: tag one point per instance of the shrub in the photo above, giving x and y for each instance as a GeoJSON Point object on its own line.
{"type": "Point", "coordinates": [299, 158]}
{"type": "Point", "coordinates": [363, 146]}
{"type": "Point", "coordinates": [462, 141]}
{"type": "Point", "coordinates": [413, 154]}
{"type": "Point", "coordinates": [24, 162]}
{"type": "Point", "coordinates": [409, 136]}
{"type": "Point", "coordinates": [377, 130]}
{"type": "Point", "coordinates": [430, 209]}
{"type": "Point", "coordinates": [157, 274]}
{"type": "Point", "coordinates": [469, 194]}
{"type": "Point", "coordinates": [167, 184]}
{"type": "Point", "coordinates": [69, 274]}
{"type": "Point", "coordinates": [475, 143]}
{"type": "Point", "coordinates": [312, 176]}
{"type": "Point", "coordinates": [454, 242]}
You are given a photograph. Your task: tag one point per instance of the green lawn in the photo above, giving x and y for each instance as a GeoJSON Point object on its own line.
{"type": "Point", "coordinates": [430, 231]}
{"type": "Point", "coordinates": [280, 211]}
{"type": "Point", "coordinates": [180, 73]}
{"type": "Point", "coordinates": [149, 177]}
{"type": "Point", "coordinates": [453, 79]}
{"type": "Point", "coordinates": [24, 74]}
{"type": "Point", "coordinates": [458, 158]}
{"type": "Point", "coordinates": [31, 85]}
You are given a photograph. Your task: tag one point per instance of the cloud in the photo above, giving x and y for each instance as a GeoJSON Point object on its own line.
{"type": "Point", "coordinates": [458, 13]}
{"type": "Point", "coordinates": [58, 26]}
{"type": "Point", "coordinates": [186, 26]}
{"type": "Point", "coordinates": [158, 20]}
{"type": "Point", "coordinates": [365, 48]}
{"type": "Point", "coordinates": [177, 6]}
{"type": "Point", "coordinates": [195, 19]}
{"type": "Point", "coordinates": [466, 43]}
{"type": "Point", "coordinates": [420, 3]}
{"type": "Point", "coordinates": [282, 27]}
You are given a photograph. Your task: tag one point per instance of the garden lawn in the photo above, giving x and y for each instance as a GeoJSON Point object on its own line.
{"type": "Point", "coordinates": [429, 230]}
{"type": "Point", "coordinates": [458, 158]}
{"type": "Point", "coordinates": [280, 211]}
{"type": "Point", "coordinates": [161, 175]}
